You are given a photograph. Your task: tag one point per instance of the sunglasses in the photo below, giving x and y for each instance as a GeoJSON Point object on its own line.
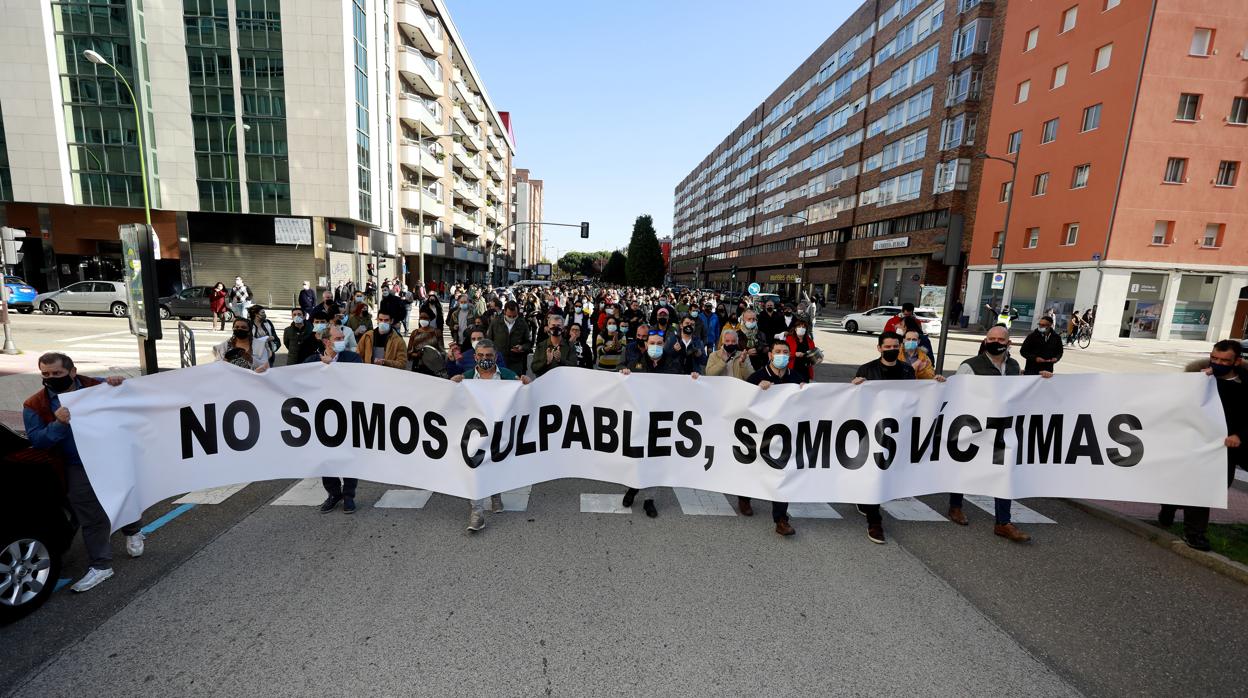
{"type": "Point", "coordinates": [658, 332]}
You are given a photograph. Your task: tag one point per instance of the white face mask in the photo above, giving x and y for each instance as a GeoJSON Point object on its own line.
{"type": "Point", "coordinates": [801, 331]}
{"type": "Point", "coordinates": [424, 323]}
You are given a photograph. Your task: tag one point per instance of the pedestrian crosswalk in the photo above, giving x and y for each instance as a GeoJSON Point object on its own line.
{"type": "Point", "coordinates": [692, 502]}
{"type": "Point", "coordinates": [121, 348]}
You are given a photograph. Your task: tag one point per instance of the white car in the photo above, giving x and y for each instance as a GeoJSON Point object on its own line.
{"type": "Point", "coordinates": [873, 320]}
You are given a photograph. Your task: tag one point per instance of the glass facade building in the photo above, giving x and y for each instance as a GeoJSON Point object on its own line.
{"type": "Point", "coordinates": [263, 79]}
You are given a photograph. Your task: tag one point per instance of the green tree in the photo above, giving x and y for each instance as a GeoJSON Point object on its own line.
{"type": "Point", "coordinates": [614, 271]}
{"type": "Point", "coordinates": [644, 266]}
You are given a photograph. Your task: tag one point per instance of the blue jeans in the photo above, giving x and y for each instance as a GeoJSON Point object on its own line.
{"type": "Point", "coordinates": [1002, 507]}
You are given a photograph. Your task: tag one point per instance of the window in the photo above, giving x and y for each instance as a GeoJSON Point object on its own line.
{"type": "Point", "coordinates": [972, 38]}
{"type": "Point", "coordinates": [1176, 168]}
{"type": "Point", "coordinates": [1103, 55]}
{"type": "Point", "coordinates": [1111, 4]}
{"type": "Point", "coordinates": [963, 86]}
{"type": "Point", "coordinates": [1239, 110]}
{"type": "Point", "coordinates": [1049, 134]}
{"type": "Point", "coordinates": [1033, 238]}
{"type": "Point", "coordinates": [1091, 118]}
{"type": "Point", "coordinates": [960, 130]}
{"type": "Point", "coordinates": [1006, 188]}
{"type": "Point", "coordinates": [1016, 140]}
{"type": "Point", "coordinates": [1069, 17]}
{"type": "Point", "coordinates": [1213, 235]}
{"type": "Point", "coordinates": [1202, 41]}
{"type": "Point", "coordinates": [1189, 107]}
{"type": "Point", "coordinates": [1040, 186]}
{"type": "Point", "coordinates": [1163, 232]}
{"type": "Point", "coordinates": [951, 175]}
{"type": "Point", "coordinates": [1059, 76]}
{"type": "Point", "coordinates": [1228, 173]}
{"type": "Point", "coordinates": [1071, 235]}
{"type": "Point", "coordinates": [1079, 179]}
{"type": "Point", "coordinates": [1024, 90]}
{"type": "Point", "coordinates": [1033, 37]}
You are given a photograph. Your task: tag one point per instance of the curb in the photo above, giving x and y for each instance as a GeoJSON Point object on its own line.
{"type": "Point", "coordinates": [1218, 563]}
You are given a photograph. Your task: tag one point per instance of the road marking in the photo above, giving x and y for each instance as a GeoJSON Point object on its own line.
{"type": "Point", "coordinates": [603, 504]}
{"type": "Point", "coordinates": [911, 509]}
{"type": "Point", "coordinates": [1018, 512]}
{"type": "Point", "coordinates": [703, 503]}
{"type": "Point", "coordinates": [1241, 475]}
{"type": "Point", "coordinates": [404, 499]}
{"type": "Point", "coordinates": [812, 510]}
{"type": "Point", "coordinates": [212, 495]}
{"type": "Point", "coordinates": [517, 500]}
{"type": "Point", "coordinates": [93, 336]}
{"type": "Point", "coordinates": [305, 493]}
{"type": "Point", "coordinates": [177, 511]}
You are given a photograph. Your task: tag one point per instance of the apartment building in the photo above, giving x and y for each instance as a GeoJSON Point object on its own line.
{"type": "Point", "coordinates": [1128, 123]}
{"type": "Point", "coordinates": [528, 214]}
{"type": "Point", "coordinates": [844, 179]}
{"type": "Point", "coordinates": [272, 136]}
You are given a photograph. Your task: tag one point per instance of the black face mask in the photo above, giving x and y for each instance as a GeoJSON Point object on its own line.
{"type": "Point", "coordinates": [1218, 370]}
{"type": "Point", "coordinates": [994, 348]}
{"type": "Point", "coordinates": [890, 355]}
{"type": "Point", "coordinates": [731, 349]}
{"type": "Point", "coordinates": [58, 384]}
{"type": "Point", "coordinates": [556, 331]}
{"type": "Point", "coordinates": [242, 334]}
{"type": "Point", "coordinates": [687, 329]}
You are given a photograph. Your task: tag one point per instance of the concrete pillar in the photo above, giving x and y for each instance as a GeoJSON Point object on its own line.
{"type": "Point", "coordinates": [1222, 318]}
{"type": "Point", "coordinates": [1167, 304]}
{"type": "Point", "coordinates": [185, 265]}
{"type": "Point", "coordinates": [319, 251]}
{"type": "Point", "coordinates": [1042, 296]}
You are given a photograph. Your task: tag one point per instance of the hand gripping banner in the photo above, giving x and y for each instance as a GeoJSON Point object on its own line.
{"type": "Point", "coordinates": [1100, 436]}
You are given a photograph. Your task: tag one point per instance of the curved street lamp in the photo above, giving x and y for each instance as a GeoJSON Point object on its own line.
{"type": "Point", "coordinates": [1005, 229]}
{"type": "Point", "coordinates": [97, 59]}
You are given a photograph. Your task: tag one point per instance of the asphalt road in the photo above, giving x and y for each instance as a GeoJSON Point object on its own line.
{"type": "Point", "coordinates": [245, 596]}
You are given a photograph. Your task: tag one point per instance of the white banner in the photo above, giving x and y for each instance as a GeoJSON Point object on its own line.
{"type": "Point", "coordinates": [1150, 439]}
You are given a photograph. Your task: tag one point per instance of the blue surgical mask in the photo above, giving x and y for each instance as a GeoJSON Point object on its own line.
{"type": "Point", "coordinates": [911, 344]}
{"type": "Point", "coordinates": [383, 327]}
{"type": "Point", "coordinates": [654, 351]}
{"type": "Point", "coordinates": [297, 321]}
{"type": "Point", "coordinates": [340, 345]}
{"type": "Point", "coordinates": [780, 361]}
{"type": "Point", "coordinates": [319, 327]}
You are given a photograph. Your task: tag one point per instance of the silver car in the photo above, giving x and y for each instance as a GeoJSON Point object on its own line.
{"type": "Point", "coordinates": [85, 297]}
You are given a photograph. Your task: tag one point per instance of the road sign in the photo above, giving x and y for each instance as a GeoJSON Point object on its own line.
{"type": "Point", "coordinates": [754, 289]}
{"type": "Point", "coordinates": [998, 280]}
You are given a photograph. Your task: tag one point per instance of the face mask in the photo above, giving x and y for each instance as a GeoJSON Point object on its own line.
{"type": "Point", "coordinates": [59, 384]}
{"type": "Point", "coordinates": [750, 324]}
{"type": "Point", "coordinates": [687, 329]}
{"type": "Point", "coordinates": [994, 348]}
{"type": "Point", "coordinates": [801, 331]}
{"type": "Point", "coordinates": [730, 349]}
{"type": "Point", "coordinates": [242, 334]}
{"type": "Point", "coordinates": [1219, 370]}
{"type": "Point", "coordinates": [1044, 330]}
{"type": "Point", "coordinates": [612, 328]}
{"type": "Point", "coordinates": [654, 351]}
{"type": "Point", "coordinates": [297, 320]}
{"type": "Point", "coordinates": [556, 331]}
{"type": "Point", "coordinates": [305, 287]}
{"type": "Point", "coordinates": [623, 329]}
{"type": "Point", "coordinates": [780, 361]}
{"type": "Point", "coordinates": [487, 365]}
{"type": "Point", "coordinates": [424, 323]}
{"type": "Point", "coordinates": [359, 299]}
{"type": "Point", "coordinates": [788, 315]}
{"type": "Point", "coordinates": [911, 345]}
{"type": "Point", "coordinates": [475, 342]}
{"type": "Point", "coordinates": [340, 345]}
{"type": "Point", "coordinates": [318, 327]}
{"type": "Point", "coordinates": [385, 293]}
{"type": "Point", "coordinates": [610, 311]}
{"type": "Point", "coordinates": [890, 354]}
{"type": "Point", "coordinates": [383, 327]}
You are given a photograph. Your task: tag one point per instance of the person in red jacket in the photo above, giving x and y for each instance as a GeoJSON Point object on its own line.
{"type": "Point", "coordinates": [896, 324]}
{"type": "Point", "coordinates": [216, 299]}
{"type": "Point", "coordinates": [802, 349]}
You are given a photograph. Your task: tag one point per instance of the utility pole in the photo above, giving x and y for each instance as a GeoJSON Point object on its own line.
{"type": "Point", "coordinates": [951, 255]}
{"type": "Point", "coordinates": [8, 244]}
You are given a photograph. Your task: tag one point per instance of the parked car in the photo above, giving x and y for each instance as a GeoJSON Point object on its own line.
{"type": "Point", "coordinates": [762, 299]}
{"type": "Point", "coordinates": [21, 295]}
{"type": "Point", "coordinates": [35, 527]}
{"type": "Point", "coordinates": [190, 302]}
{"type": "Point", "coordinates": [85, 297]}
{"type": "Point", "coordinates": [874, 319]}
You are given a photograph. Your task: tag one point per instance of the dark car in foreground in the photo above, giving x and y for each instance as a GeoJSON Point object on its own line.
{"type": "Point", "coordinates": [190, 302]}
{"type": "Point", "coordinates": [35, 527]}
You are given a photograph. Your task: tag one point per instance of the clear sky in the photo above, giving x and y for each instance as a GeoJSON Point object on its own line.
{"type": "Point", "coordinates": [613, 103]}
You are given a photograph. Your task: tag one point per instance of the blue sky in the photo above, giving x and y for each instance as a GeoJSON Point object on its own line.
{"type": "Point", "coordinates": [613, 103]}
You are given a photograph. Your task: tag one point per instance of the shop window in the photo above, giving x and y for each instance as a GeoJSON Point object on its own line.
{"type": "Point", "coordinates": [1193, 307]}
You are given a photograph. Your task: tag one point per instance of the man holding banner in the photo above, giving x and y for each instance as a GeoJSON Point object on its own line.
{"type": "Point", "coordinates": [333, 350]}
{"type": "Point", "coordinates": [776, 372]}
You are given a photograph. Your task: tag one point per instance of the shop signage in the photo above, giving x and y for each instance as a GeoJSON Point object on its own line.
{"type": "Point", "coordinates": [893, 244]}
{"type": "Point", "coordinates": [785, 278]}
{"type": "Point", "coordinates": [292, 231]}
{"type": "Point", "coordinates": [811, 252]}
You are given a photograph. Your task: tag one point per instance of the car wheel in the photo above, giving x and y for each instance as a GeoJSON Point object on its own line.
{"type": "Point", "coordinates": [118, 309]}
{"type": "Point", "coordinates": [851, 327]}
{"type": "Point", "coordinates": [49, 308]}
{"type": "Point", "coordinates": [164, 313]}
{"type": "Point", "coordinates": [25, 311]}
{"type": "Point", "coordinates": [28, 574]}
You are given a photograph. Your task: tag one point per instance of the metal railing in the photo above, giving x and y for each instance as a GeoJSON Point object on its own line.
{"type": "Point", "coordinates": [186, 345]}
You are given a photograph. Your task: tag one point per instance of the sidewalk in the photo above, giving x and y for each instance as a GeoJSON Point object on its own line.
{"type": "Point", "coordinates": [1236, 510]}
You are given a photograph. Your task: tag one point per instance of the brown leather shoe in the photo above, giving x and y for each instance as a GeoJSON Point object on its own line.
{"type": "Point", "coordinates": [743, 505]}
{"type": "Point", "coordinates": [956, 516]}
{"type": "Point", "coordinates": [1011, 532]}
{"type": "Point", "coordinates": [783, 528]}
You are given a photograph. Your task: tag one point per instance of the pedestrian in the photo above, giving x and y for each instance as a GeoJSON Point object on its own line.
{"type": "Point", "coordinates": [486, 368]}
{"type": "Point", "coordinates": [802, 349]}
{"type": "Point", "coordinates": [243, 349]}
{"type": "Point", "coordinates": [891, 365]}
{"type": "Point", "coordinates": [240, 297]}
{"type": "Point", "coordinates": [328, 305]}
{"type": "Point", "coordinates": [582, 356]}
{"type": "Point", "coordinates": [306, 300]}
{"type": "Point", "coordinates": [262, 329]}
{"type": "Point", "coordinates": [295, 334]}
{"type": "Point", "coordinates": [511, 333]}
{"type": "Point", "coordinates": [775, 372]}
{"type": "Point", "coordinates": [434, 306]}
{"type": "Point", "coordinates": [1041, 349]}
{"type": "Point", "coordinates": [729, 360]}
{"type": "Point", "coordinates": [423, 336]}
{"type": "Point", "coordinates": [687, 350]}
{"type": "Point", "coordinates": [552, 351]}
{"type": "Point", "coordinates": [334, 350]}
{"type": "Point", "coordinates": [382, 345]}
{"type": "Point", "coordinates": [896, 323]}
{"type": "Point", "coordinates": [393, 306]}
{"type": "Point", "coordinates": [1225, 365]}
{"type": "Point", "coordinates": [609, 347]}
{"type": "Point", "coordinates": [217, 301]}
{"type": "Point", "coordinates": [993, 359]}
{"type": "Point", "coordinates": [914, 354]}
{"type": "Point", "coordinates": [47, 424]}
{"type": "Point", "coordinates": [711, 325]}
{"type": "Point", "coordinates": [753, 340]}
{"type": "Point", "coordinates": [463, 312]}
{"type": "Point", "coordinates": [635, 350]}
{"type": "Point", "coordinates": [770, 324]}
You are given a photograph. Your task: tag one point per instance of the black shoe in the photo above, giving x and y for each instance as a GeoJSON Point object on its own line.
{"type": "Point", "coordinates": [330, 503]}
{"type": "Point", "coordinates": [629, 496]}
{"type": "Point", "coordinates": [1165, 517]}
{"type": "Point", "coordinates": [348, 505]}
{"type": "Point", "coordinates": [1198, 541]}
{"type": "Point", "coordinates": [649, 507]}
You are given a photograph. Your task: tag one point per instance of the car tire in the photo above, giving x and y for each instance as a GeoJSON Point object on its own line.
{"type": "Point", "coordinates": [26, 311]}
{"type": "Point", "coordinates": [49, 308]}
{"type": "Point", "coordinates": [851, 327]}
{"type": "Point", "coordinates": [164, 313]}
{"type": "Point", "coordinates": [20, 542]}
{"type": "Point", "coordinates": [118, 309]}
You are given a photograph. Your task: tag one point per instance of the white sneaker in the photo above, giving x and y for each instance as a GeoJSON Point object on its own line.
{"type": "Point", "coordinates": [496, 503]}
{"type": "Point", "coordinates": [91, 579]}
{"type": "Point", "coordinates": [476, 521]}
{"type": "Point", "coordinates": [134, 544]}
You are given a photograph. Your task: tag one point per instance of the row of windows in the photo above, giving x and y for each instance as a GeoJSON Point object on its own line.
{"type": "Point", "coordinates": [1164, 234]}
{"type": "Point", "coordinates": [1189, 109]}
{"type": "Point", "coordinates": [1176, 172]}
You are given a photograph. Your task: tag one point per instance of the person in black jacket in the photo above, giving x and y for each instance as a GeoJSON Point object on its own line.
{"type": "Point", "coordinates": [653, 360]}
{"type": "Point", "coordinates": [1042, 348]}
{"type": "Point", "coordinates": [584, 357]}
{"type": "Point", "coordinates": [307, 300]}
{"type": "Point", "coordinates": [392, 304]}
{"type": "Point", "coordinates": [776, 371]}
{"type": "Point", "coordinates": [1225, 365]}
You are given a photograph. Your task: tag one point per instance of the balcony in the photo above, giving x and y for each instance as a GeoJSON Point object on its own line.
{"type": "Point", "coordinates": [425, 72]}
{"type": "Point", "coordinates": [468, 131]}
{"type": "Point", "coordinates": [470, 191]}
{"type": "Point", "coordinates": [476, 108]}
{"type": "Point", "coordinates": [494, 143]}
{"type": "Point", "coordinates": [496, 168]}
{"type": "Point", "coordinates": [466, 223]}
{"type": "Point", "coordinates": [423, 30]}
{"type": "Point", "coordinates": [421, 111]}
{"type": "Point", "coordinates": [470, 163]}
{"type": "Point", "coordinates": [413, 199]}
{"type": "Point", "coordinates": [411, 155]}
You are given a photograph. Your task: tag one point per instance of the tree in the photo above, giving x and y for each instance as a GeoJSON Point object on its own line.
{"type": "Point", "coordinates": [644, 266]}
{"type": "Point", "coordinates": [588, 264]}
{"type": "Point", "coordinates": [614, 271]}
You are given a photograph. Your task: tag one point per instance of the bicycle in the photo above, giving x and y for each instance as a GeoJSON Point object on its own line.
{"type": "Point", "coordinates": [1083, 336]}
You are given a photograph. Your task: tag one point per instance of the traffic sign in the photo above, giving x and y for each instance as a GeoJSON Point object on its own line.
{"type": "Point", "coordinates": [754, 289]}
{"type": "Point", "coordinates": [998, 280]}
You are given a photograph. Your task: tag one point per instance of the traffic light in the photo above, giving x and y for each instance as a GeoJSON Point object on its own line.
{"type": "Point", "coordinates": [584, 229]}
{"type": "Point", "coordinates": [734, 272]}
{"type": "Point", "coordinates": [12, 239]}
{"type": "Point", "coordinates": [949, 245]}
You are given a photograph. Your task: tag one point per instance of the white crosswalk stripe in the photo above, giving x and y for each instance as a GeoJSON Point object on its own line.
{"type": "Point", "coordinates": [517, 500]}
{"type": "Point", "coordinates": [403, 499]}
{"type": "Point", "coordinates": [304, 493]}
{"type": "Point", "coordinates": [212, 495]}
{"type": "Point", "coordinates": [703, 503]}
{"type": "Point", "coordinates": [1018, 512]}
{"type": "Point", "coordinates": [604, 504]}
{"type": "Point", "coordinates": [911, 509]}
{"type": "Point", "coordinates": [812, 510]}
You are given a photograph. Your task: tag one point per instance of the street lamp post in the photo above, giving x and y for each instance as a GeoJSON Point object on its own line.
{"type": "Point", "coordinates": [1009, 205]}
{"type": "Point", "coordinates": [229, 171]}
{"type": "Point", "coordinates": [805, 226]}
{"type": "Point", "coordinates": [97, 59]}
